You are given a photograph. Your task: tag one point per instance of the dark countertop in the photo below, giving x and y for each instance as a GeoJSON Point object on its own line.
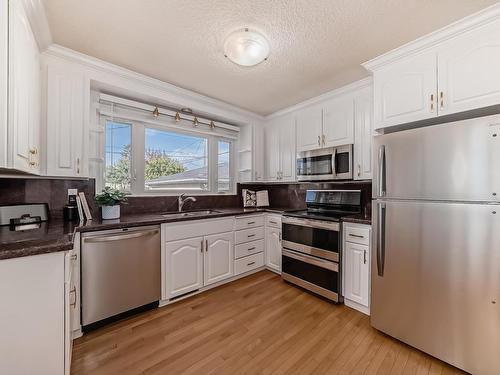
{"type": "Point", "coordinates": [56, 235]}
{"type": "Point", "coordinates": [359, 219]}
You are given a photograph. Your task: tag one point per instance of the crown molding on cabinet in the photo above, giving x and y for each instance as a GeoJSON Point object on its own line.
{"type": "Point", "coordinates": [37, 17]}
{"type": "Point", "coordinates": [473, 21]}
{"type": "Point", "coordinates": [169, 92]}
{"type": "Point", "coordinates": [357, 85]}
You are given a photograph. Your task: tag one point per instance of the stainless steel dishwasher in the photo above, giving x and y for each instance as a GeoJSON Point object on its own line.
{"type": "Point", "coordinates": [120, 273]}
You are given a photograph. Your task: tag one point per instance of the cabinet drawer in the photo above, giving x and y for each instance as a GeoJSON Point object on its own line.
{"type": "Point", "coordinates": [248, 235]}
{"type": "Point", "coordinates": [273, 221]}
{"type": "Point", "coordinates": [195, 228]}
{"type": "Point", "coordinates": [248, 248]}
{"type": "Point", "coordinates": [245, 222]}
{"type": "Point", "coordinates": [357, 235]}
{"type": "Point", "coordinates": [248, 263]}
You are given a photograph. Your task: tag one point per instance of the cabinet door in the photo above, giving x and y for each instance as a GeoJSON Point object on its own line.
{"type": "Point", "coordinates": [184, 266]}
{"type": "Point", "coordinates": [363, 135]}
{"type": "Point", "coordinates": [287, 148]}
{"type": "Point", "coordinates": [272, 152]}
{"type": "Point", "coordinates": [4, 46]}
{"type": "Point", "coordinates": [406, 91]}
{"type": "Point", "coordinates": [65, 113]}
{"type": "Point", "coordinates": [469, 70]}
{"type": "Point", "coordinates": [338, 122]}
{"type": "Point", "coordinates": [24, 92]}
{"type": "Point", "coordinates": [357, 273]}
{"type": "Point", "coordinates": [219, 257]}
{"type": "Point", "coordinates": [309, 124]}
{"type": "Point", "coordinates": [273, 249]}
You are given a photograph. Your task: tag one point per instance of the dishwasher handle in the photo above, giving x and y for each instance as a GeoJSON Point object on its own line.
{"type": "Point", "coordinates": [120, 237]}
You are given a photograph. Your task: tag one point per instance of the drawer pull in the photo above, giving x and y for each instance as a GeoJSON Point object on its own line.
{"type": "Point", "coordinates": [356, 235]}
{"type": "Point", "coordinates": [251, 222]}
{"type": "Point", "coordinates": [250, 264]}
{"type": "Point", "coordinates": [273, 222]}
{"type": "Point", "coordinates": [252, 248]}
{"type": "Point", "coordinates": [251, 235]}
{"type": "Point", "coordinates": [73, 291]}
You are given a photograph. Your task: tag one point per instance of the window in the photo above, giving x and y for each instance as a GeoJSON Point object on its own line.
{"type": "Point", "coordinates": [148, 159]}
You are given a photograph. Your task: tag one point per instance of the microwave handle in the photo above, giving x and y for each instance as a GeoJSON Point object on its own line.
{"type": "Point", "coordinates": [334, 161]}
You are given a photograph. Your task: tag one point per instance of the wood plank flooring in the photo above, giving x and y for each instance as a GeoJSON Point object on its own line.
{"type": "Point", "coordinates": [256, 325]}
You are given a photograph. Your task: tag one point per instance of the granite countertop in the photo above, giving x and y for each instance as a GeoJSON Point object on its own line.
{"type": "Point", "coordinates": [57, 235]}
{"type": "Point", "coordinates": [358, 218]}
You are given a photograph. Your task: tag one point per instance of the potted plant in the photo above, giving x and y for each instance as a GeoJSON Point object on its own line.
{"type": "Point", "coordinates": [109, 200]}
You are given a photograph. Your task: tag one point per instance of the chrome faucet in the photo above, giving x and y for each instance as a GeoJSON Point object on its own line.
{"type": "Point", "coordinates": [183, 199]}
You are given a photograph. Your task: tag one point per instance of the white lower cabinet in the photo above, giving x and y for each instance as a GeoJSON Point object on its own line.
{"type": "Point", "coordinates": [249, 239]}
{"type": "Point", "coordinates": [273, 249]}
{"type": "Point", "coordinates": [356, 266]}
{"type": "Point", "coordinates": [218, 257]}
{"type": "Point", "coordinates": [184, 270]}
{"type": "Point", "coordinates": [35, 299]}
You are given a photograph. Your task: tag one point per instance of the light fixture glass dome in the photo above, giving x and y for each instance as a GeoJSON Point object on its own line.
{"type": "Point", "coordinates": [246, 47]}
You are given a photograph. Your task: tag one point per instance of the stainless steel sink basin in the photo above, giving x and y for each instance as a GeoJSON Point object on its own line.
{"type": "Point", "coordinates": [190, 213]}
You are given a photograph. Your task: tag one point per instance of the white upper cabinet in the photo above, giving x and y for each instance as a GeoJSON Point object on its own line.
{"type": "Point", "coordinates": [65, 97]}
{"type": "Point", "coordinates": [338, 122]}
{"type": "Point", "coordinates": [309, 128]}
{"type": "Point", "coordinates": [272, 152]}
{"type": "Point", "coordinates": [218, 257]}
{"type": "Point", "coordinates": [363, 134]}
{"type": "Point", "coordinates": [405, 91]}
{"type": "Point", "coordinates": [280, 149]}
{"type": "Point", "coordinates": [4, 46]}
{"type": "Point", "coordinates": [23, 142]}
{"type": "Point", "coordinates": [450, 71]}
{"type": "Point", "coordinates": [469, 70]}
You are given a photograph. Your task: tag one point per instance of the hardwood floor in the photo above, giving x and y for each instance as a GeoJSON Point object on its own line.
{"type": "Point", "coordinates": [256, 325]}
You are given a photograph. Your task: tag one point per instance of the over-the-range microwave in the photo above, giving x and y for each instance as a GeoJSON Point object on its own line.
{"type": "Point", "coordinates": [332, 163]}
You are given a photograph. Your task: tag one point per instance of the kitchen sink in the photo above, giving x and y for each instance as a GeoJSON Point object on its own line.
{"type": "Point", "coordinates": [190, 213]}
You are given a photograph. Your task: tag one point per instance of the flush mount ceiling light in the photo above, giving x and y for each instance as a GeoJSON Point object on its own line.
{"type": "Point", "coordinates": [246, 47]}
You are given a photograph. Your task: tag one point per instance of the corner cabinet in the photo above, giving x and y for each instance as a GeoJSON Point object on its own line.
{"type": "Point", "coordinates": [356, 266]}
{"type": "Point", "coordinates": [65, 103]}
{"type": "Point", "coordinates": [280, 149]}
{"type": "Point", "coordinates": [452, 71]}
{"type": "Point", "coordinates": [23, 112]}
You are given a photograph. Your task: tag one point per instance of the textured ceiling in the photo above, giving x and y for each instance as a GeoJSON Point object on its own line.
{"type": "Point", "coordinates": [316, 45]}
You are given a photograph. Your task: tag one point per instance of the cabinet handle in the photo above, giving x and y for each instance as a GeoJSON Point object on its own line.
{"type": "Point", "coordinates": [251, 235]}
{"type": "Point", "coordinates": [251, 248]}
{"type": "Point", "coordinates": [273, 222]}
{"type": "Point", "coordinates": [364, 257]}
{"type": "Point", "coordinates": [441, 100]}
{"type": "Point", "coordinates": [359, 170]}
{"type": "Point", "coordinates": [73, 257]}
{"type": "Point", "coordinates": [323, 139]}
{"type": "Point", "coordinates": [73, 304]}
{"type": "Point", "coordinates": [432, 102]}
{"type": "Point", "coordinates": [206, 246]}
{"type": "Point", "coordinates": [356, 235]}
{"type": "Point", "coordinates": [77, 165]}
{"type": "Point", "coordinates": [319, 140]}
{"type": "Point", "coordinates": [251, 222]}
{"type": "Point", "coordinates": [201, 246]}
{"type": "Point", "coordinates": [251, 263]}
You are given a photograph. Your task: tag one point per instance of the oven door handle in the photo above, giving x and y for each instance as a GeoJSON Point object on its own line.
{"type": "Point", "coordinates": [312, 260]}
{"type": "Point", "coordinates": [318, 224]}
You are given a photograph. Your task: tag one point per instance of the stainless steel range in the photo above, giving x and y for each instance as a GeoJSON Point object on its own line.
{"type": "Point", "coordinates": [311, 246]}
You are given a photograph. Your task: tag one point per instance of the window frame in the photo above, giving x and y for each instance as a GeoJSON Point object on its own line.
{"type": "Point", "coordinates": [137, 167]}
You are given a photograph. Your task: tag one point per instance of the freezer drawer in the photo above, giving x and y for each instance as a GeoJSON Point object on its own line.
{"type": "Point", "coordinates": [436, 279]}
{"type": "Point", "coordinates": [120, 271]}
{"type": "Point", "coordinates": [457, 161]}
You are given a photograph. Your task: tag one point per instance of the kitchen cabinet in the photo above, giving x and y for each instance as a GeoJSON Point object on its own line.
{"type": "Point", "coordinates": [23, 141]}
{"type": "Point", "coordinates": [273, 249]}
{"type": "Point", "coordinates": [309, 128]}
{"type": "Point", "coordinates": [4, 62]}
{"type": "Point", "coordinates": [184, 270]}
{"type": "Point", "coordinates": [218, 257]}
{"type": "Point", "coordinates": [452, 71]}
{"type": "Point", "coordinates": [405, 91]}
{"type": "Point", "coordinates": [249, 239]}
{"type": "Point", "coordinates": [65, 99]}
{"type": "Point", "coordinates": [468, 70]}
{"type": "Point", "coordinates": [280, 149]}
{"type": "Point", "coordinates": [33, 335]}
{"type": "Point", "coordinates": [70, 300]}
{"type": "Point", "coordinates": [357, 266]}
{"type": "Point", "coordinates": [363, 134]}
{"type": "Point", "coordinates": [338, 121]}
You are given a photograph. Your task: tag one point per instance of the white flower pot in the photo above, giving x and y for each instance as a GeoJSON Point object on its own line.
{"type": "Point", "coordinates": [111, 212]}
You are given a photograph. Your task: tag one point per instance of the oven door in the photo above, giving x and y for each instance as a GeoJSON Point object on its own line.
{"type": "Point", "coordinates": [312, 237]}
{"type": "Point", "coordinates": [317, 275]}
{"type": "Point", "coordinates": [342, 162]}
{"type": "Point", "coordinates": [315, 165]}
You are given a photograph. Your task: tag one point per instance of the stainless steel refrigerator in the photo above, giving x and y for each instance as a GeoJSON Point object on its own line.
{"type": "Point", "coordinates": [436, 241]}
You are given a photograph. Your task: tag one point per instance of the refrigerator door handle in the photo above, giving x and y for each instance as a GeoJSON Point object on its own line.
{"type": "Point", "coordinates": [381, 171]}
{"type": "Point", "coordinates": [381, 239]}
